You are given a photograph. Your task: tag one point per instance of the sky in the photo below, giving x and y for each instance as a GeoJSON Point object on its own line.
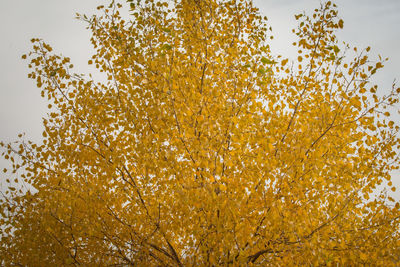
{"type": "Point", "coordinates": [366, 23]}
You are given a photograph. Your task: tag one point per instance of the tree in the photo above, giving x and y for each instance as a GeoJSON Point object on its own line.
{"type": "Point", "coordinates": [203, 148]}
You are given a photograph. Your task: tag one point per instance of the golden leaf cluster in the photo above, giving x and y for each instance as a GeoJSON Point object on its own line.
{"type": "Point", "coordinates": [202, 148]}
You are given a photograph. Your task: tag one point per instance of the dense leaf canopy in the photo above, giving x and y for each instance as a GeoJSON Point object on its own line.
{"type": "Point", "coordinates": [201, 147]}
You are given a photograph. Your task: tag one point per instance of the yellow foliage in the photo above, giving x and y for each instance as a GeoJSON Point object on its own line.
{"type": "Point", "coordinates": [200, 150]}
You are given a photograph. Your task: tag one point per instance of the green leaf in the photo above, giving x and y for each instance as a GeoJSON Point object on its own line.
{"type": "Point", "coordinates": [267, 61]}
{"type": "Point", "coordinates": [166, 47]}
{"type": "Point", "coordinates": [336, 49]}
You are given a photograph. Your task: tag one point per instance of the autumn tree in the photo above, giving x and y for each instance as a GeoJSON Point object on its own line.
{"type": "Point", "coordinates": [202, 148]}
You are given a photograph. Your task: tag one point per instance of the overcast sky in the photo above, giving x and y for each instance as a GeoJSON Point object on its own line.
{"type": "Point", "coordinates": [366, 23]}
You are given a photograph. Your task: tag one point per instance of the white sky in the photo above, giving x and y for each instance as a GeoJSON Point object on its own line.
{"type": "Point", "coordinates": [366, 23]}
